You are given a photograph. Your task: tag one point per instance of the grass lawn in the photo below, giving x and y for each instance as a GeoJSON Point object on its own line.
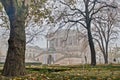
{"type": "Point", "coordinates": [71, 72]}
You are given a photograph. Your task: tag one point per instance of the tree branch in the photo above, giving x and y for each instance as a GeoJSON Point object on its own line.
{"type": "Point", "coordinates": [73, 9]}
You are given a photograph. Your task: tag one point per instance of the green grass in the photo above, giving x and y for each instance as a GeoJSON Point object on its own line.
{"type": "Point", "coordinates": [71, 72]}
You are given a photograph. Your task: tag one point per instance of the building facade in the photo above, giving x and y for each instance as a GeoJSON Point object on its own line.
{"type": "Point", "coordinates": [64, 48]}
{"type": "Point", "coordinates": [31, 52]}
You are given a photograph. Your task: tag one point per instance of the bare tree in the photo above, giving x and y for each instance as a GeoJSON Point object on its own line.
{"type": "Point", "coordinates": [81, 13]}
{"type": "Point", "coordinates": [105, 30]}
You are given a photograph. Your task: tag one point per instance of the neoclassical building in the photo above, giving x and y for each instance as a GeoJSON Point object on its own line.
{"type": "Point", "coordinates": [66, 48]}
{"type": "Point", "coordinates": [31, 52]}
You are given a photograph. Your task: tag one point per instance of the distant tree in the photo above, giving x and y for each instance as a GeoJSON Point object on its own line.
{"type": "Point", "coordinates": [106, 30]}
{"type": "Point", "coordinates": [81, 12]}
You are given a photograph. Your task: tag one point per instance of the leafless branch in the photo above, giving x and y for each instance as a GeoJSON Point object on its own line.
{"type": "Point", "coordinates": [73, 9]}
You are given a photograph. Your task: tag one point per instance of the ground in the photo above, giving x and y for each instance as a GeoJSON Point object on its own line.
{"type": "Point", "coordinates": [70, 72]}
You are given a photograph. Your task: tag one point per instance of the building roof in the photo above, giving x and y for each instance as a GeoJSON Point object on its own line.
{"type": "Point", "coordinates": [65, 33]}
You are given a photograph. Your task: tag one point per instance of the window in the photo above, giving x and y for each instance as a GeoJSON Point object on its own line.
{"type": "Point", "coordinates": [51, 43]}
{"type": "Point", "coordinates": [56, 42]}
{"type": "Point", "coordinates": [69, 41]}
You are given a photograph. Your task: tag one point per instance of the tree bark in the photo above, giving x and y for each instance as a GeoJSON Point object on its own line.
{"type": "Point", "coordinates": [92, 48]}
{"type": "Point", "coordinates": [106, 58]}
{"type": "Point", "coordinates": [15, 60]}
{"type": "Point", "coordinates": [88, 20]}
{"type": "Point", "coordinates": [106, 55]}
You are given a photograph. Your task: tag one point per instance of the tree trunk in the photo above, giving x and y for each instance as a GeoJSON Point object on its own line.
{"type": "Point", "coordinates": [15, 60]}
{"type": "Point", "coordinates": [92, 49]}
{"type": "Point", "coordinates": [106, 55]}
{"type": "Point", "coordinates": [90, 38]}
{"type": "Point", "coordinates": [106, 58]}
